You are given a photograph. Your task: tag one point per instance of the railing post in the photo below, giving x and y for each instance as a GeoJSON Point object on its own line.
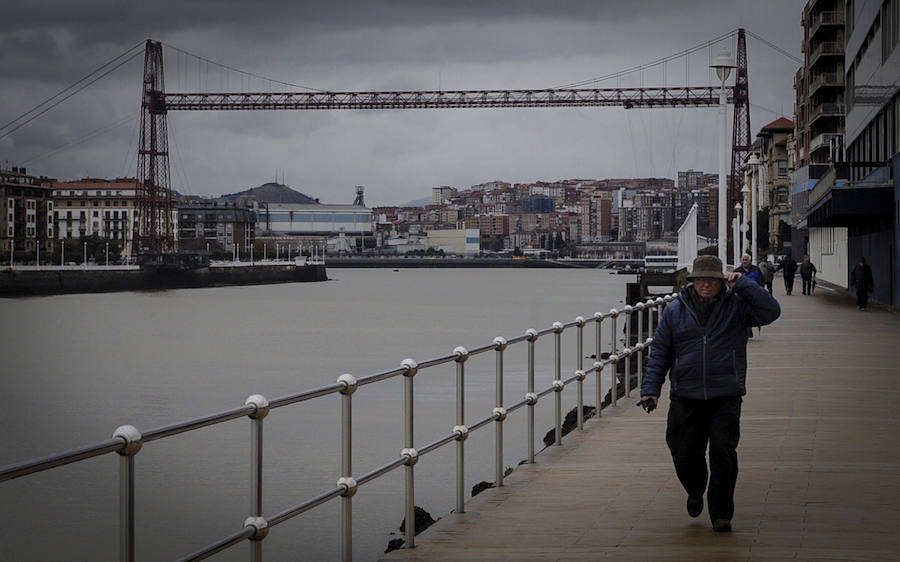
{"type": "Point", "coordinates": [409, 450]}
{"type": "Point", "coordinates": [614, 382]}
{"type": "Point", "coordinates": [598, 363]}
{"type": "Point", "coordinates": [640, 345]}
{"type": "Point", "coordinates": [531, 396]}
{"type": "Point", "coordinates": [557, 379]}
{"type": "Point", "coordinates": [256, 519]}
{"type": "Point", "coordinates": [460, 429]}
{"type": "Point", "coordinates": [628, 310]}
{"type": "Point", "coordinates": [132, 439]}
{"type": "Point", "coordinates": [650, 327]}
{"type": "Point", "coordinates": [579, 370]}
{"type": "Point", "coordinates": [499, 411]}
{"type": "Point", "coordinates": [346, 481]}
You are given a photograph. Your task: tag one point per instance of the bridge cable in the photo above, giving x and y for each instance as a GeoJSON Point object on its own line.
{"type": "Point", "coordinates": [63, 91]}
{"type": "Point", "coordinates": [651, 64]}
{"type": "Point", "coordinates": [775, 47]}
{"type": "Point", "coordinates": [244, 72]}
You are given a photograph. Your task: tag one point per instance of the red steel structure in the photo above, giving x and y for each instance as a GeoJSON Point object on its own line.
{"type": "Point", "coordinates": [153, 232]}
{"type": "Point", "coordinates": [153, 229]}
{"type": "Point", "coordinates": [740, 138]}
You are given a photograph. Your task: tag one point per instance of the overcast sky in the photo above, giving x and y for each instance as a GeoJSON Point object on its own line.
{"type": "Point", "coordinates": [47, 45]}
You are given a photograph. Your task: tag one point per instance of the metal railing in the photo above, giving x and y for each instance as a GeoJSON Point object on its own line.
{"type": "Point", "coordinates": [127, 441]}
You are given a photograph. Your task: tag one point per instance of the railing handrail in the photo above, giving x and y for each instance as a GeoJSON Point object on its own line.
{"type": "Point", "coordinates": [127, 440]}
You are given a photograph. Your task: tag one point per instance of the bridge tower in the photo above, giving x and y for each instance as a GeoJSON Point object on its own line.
{"type": "Point", "coordinates": [740, 140]}
{"type": "Point", "coordinates": [153, 229]}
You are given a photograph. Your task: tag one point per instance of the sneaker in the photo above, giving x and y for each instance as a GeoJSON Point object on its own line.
{"type": "Point", "coordinates": [694, 506]}
{"type": "Point", "coordinates": [722, 526]}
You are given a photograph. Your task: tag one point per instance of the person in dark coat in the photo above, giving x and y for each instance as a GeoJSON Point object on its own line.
{"type": "Point", "coordinates": [789, 267]}
{"type": "Point", "coordinates": [807, 273]}
{"type": "Point", "coordinates": [749, 270]}
{"type": "Point", "coordinates": [861, 278]}
{"type": "Point", "coordinates": [701, 344]}
{"type": "Point", "coordinates": [768, 273]}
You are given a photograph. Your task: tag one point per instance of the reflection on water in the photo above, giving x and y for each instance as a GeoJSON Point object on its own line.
{"type": "Point", "coordinates": [78, 366]}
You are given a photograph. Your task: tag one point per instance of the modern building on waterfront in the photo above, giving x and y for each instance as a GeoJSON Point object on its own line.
{"type": "Point", "coordinates": [818, 137]}
{"type": "Point", "coordinates": [855, 205]}
{"type": "Point", "coordinates": [213, 226]}
{"type": "Point", "coordinates": [462, 241]}
{"type": "Point", "coordinates": [27, 220]}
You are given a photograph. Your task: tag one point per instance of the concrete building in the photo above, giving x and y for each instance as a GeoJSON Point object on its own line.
{"type": "Point", "coordinates": [819, 112]}
{"type": "Point", "coordinates": [776, 184]}
{"type": "Point", "coordinates": [212, 226]}
{"type": "Point", "coordinates": [855, 207]}
{"type": "Point", "coordinates": [95, 206]}
{"type": "Point", "coordinates": [27, 220]}
{"type": "Point", "coordinates": [285, 219]}
{"type": "Point", "coordinates": [443, 194]}
{"type": "Point", "coordinates": [462, 242]}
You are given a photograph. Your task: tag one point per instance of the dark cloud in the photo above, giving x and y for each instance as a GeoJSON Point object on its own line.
{"type": "Point", "coordinates": [381, 45]}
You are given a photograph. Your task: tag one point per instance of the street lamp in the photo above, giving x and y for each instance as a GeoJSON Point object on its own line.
{"type": "Point", "coordinates": [754, 162]}
{"type": "Point", "coordinates": [737, 227]}
{"type": "Point", "coordinates": [723, 65]}
{"type": "Point", "coordinates": [85, 255]}
{"type": "Point", "coordinates": [107, 253]}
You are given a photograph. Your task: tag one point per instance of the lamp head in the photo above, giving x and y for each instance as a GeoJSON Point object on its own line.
{"type": "Point", "coordinates": [723, 64]}
{"type": "Point", "coordinates": [754, 160]}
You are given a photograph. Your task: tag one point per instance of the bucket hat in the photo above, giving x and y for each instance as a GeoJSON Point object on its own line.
{"type": "Point", "coordinates": [706, 266]}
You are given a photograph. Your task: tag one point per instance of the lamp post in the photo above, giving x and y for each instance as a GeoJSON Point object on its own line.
{"type": "Point", "coordinates": [754, 163]}
{"type": "Point", "coordinates": [723, 65]}
{"type": "Point", "coordinates": [107, 253]}
{"type": "Point", "coordinates": [737, 227]}
{"type": "Point", "coordinates": [85, 255]}
{"type": "Point", "coordinates": [62, 252]}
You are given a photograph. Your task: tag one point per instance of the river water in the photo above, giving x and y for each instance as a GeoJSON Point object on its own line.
{"type": "Point", "coordinates": [75, 367]}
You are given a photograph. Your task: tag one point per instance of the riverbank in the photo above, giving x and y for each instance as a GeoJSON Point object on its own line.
{"type": "Point", "coordinates": [67, 280]}
{"type": "Point", "coordinates": [393, 262]}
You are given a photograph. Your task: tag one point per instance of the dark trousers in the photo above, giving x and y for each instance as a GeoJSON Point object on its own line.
{"type": "Point", "coordinates": [807, 285]}
{"type": "Point", "coordinates": [862, 297]}
{"type": "Point", "coordinates": [788, 284]}
{"type": "Point", "coordinates": [692, 424]}
{"type": "Point", "coordinates": [769, 286]}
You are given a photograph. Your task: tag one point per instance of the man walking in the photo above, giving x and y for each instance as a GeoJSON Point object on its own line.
{"type": "Point", "coordinates": [789, 266]}
{"type": "Point", "coordinates": [861, 278]}
{"type": "Point", "coordinates": [807, 273]}
{"type": "Point", "coordinates": [768, 273]}
{"type": "Point", "coordinates": [701, 344]}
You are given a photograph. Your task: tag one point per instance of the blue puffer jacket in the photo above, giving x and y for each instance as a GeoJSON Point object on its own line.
{"type": "Point", "coordinates": [711, 361]}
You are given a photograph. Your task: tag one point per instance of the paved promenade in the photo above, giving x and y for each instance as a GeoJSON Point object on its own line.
{"type": "Point", "coordinates": [819, 461]}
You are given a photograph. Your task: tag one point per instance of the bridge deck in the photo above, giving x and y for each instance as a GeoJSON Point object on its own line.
{"type": "Point", "coordinates": [819, 462]}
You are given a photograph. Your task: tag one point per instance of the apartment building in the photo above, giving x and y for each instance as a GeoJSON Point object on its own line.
{"type": "Point", "coordinates": [211, 226]}
{"type": "Point", "coordinates": [26, 223]}
{"type": "Point", "coordinates": [864, 210]}
{"type": "Point", "coordinates": [95, 206]}
{"type": "Point", "coordinates": [772, 148]}
{"type": "Point", "coordinates": [819, 112]}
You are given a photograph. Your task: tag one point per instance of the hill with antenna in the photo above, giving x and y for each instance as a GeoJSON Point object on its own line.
{"type": "Point", "coordinates": [273, 192]}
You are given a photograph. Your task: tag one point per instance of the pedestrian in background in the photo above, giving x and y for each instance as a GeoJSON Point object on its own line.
{"type": "Point", "coordinates": [861, 278]}
{"type": "Point", "coordinates": [749, 270]}
{"type": "Point", "coordinates": [768, 273]}
{"type": "Point", "coordinates": [701, 344]}
{"type": "Point", "coordinates": [789, 267]}
{"type": "Point", "coordinates": [807, 272]}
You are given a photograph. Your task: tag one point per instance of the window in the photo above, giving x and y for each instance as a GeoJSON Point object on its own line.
{"type": "Point", "coordinates": [782, 168]}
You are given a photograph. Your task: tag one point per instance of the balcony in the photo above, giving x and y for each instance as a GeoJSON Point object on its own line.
{"type": "Point", "coordinates": [824, 20]}
{"type": "Point", "coordinates": [827, 110]}
{"type": "Point", "coordinates": [822, 141]}
{"type": "Point", "coordinates": [825, 80]}
{"type": "Point", "coordinates": [831, 49]}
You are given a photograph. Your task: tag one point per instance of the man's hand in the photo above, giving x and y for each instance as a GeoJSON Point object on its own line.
{"type": "Point", "coordinates": [648, 403]}
{"type": "Point", "coordinates": [731, 278]}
